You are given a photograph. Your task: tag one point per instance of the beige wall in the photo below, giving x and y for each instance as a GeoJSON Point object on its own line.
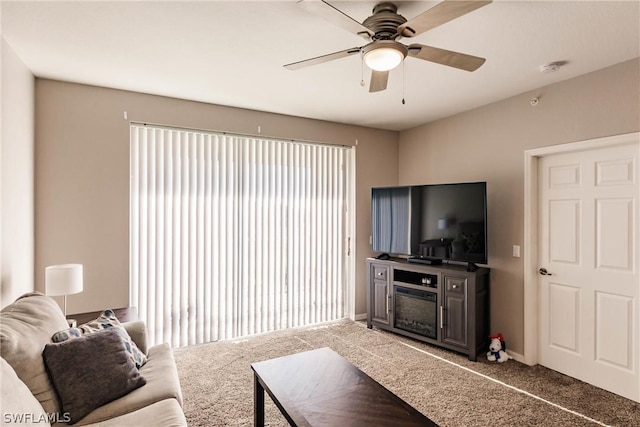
{"type": "Point", "coordinates": [82, 176]}
{"type": "Point", "coordinates": [488, 144]}
{"type": "Point", "coordinates": [16, 177]}
{"type": "Point", "coordinates": [82, 169]}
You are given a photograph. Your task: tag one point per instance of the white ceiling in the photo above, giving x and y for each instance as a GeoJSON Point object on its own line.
{"type": "Point", "coordinates": [232, 53]}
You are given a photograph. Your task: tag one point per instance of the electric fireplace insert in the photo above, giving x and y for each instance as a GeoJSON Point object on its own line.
{"type": "Point", "coordinates": [416, 311]}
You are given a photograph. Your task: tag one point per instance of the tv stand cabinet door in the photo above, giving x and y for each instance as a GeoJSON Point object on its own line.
{"type": "Point", "coordinates": [455, 311]}
{"type": "Point", "coordinates": [380, 293]}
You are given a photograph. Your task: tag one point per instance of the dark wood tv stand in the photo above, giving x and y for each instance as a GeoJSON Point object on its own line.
{"type": "Point", "coordinates": [450, 304]}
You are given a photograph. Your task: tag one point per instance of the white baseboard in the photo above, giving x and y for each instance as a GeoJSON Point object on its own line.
{"type": "Point", "coordinates": [361, 316]}
{"type": "Point", "coordinates": [516, 356]}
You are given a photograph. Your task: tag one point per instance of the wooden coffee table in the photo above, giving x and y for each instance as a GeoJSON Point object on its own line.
{"type": "Point", "coordinates": [320, 388]}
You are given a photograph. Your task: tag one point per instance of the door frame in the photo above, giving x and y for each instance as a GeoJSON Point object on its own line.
{"type": "Point", "coordinates": [531, 228]}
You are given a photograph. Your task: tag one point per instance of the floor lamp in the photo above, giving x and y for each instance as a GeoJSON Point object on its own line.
{"type": "Point", "coordinates": [64, 279]}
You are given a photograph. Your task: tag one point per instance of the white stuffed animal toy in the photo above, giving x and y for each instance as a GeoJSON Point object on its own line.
{"type": "Point", "coordinates": [497, 349]}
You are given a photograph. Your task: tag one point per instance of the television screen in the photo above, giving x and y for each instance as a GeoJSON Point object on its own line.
{"type": "Point", "coordinates": [444, 221]}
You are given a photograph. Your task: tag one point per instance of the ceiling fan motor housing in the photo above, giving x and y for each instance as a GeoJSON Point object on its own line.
{"type": "Point", "coordinates": [384, 22]}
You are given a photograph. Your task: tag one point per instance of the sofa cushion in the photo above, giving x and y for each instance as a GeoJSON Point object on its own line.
{"type": "Point", "coordinates": [19, 406]}
{"type": "Point", "coordinates": [107, 320]}
{"type": "Point", "coordinates": [26, 327]}
{"type": "Point", "coordinates": [166, 413]}
{"type": "Point", "coordinates": [137, 330]}
{"type": "Point", "coordinates": [89, 371]}
{"type": "Point", "coordinates": [162, 383]}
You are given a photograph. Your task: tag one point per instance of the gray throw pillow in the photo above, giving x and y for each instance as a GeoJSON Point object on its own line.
{"type": "Point", "coordinates": [106, 320]}
{"type": "Point", "coordinates": [89, 371]}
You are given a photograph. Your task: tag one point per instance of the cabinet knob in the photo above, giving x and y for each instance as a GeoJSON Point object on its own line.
{"type": "Point", "coordinates": [455, 286]}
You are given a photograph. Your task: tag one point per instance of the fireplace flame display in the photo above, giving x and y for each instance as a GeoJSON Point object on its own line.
{"type": "Point", "coordinates": [416, 311]}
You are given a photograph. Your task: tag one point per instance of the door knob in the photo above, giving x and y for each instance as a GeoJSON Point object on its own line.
{"type": "Point", "coordinates": [544, 272]}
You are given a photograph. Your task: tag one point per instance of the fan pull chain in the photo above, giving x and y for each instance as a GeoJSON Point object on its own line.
{"type": "Point", "coordinates": [361, 69]}
{"type": "Point", "coordinates": [402, 82]}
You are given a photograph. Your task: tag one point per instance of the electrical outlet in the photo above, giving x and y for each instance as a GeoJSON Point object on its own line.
{"type": "Point", "coordinates": [516, 251]}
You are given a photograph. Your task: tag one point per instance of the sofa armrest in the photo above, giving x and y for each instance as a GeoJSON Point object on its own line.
{"type": "Point", "coordinates": [137, 330]}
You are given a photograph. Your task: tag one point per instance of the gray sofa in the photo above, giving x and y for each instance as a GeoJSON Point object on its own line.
{"type": "Point", "coordinates": [30, 398]}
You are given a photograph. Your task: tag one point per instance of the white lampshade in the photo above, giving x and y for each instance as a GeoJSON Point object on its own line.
{"type": "Point", "coordinates": [442, 224]}
{"type": "Point", "coordinates": [64, 279]}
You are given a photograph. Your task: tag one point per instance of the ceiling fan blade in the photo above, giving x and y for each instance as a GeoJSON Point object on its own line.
{"type": "Point", "coordinates": [336, 16]}
{"type": "Point", "coordinates": [378, 81]}
{"type": "Point", "coordinates": [446, 57]}
{"type": "Point", "coordinates": [320, 59]}
{"type": "Point", "coordinates": [439, 14]}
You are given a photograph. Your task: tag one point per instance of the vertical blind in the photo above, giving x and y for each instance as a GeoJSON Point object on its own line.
{"type": "Point", "coordinates": [234, 235]}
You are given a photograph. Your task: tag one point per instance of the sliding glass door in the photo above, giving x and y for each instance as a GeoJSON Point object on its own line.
{"type": "Point", "coordinates": [234, 235]}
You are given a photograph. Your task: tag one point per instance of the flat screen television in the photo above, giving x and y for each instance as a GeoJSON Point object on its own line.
{"type": "Point", "coordinates": [431, 223]}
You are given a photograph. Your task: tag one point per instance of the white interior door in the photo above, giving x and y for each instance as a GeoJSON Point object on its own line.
{"type": "Point", "coordinates": [588, 246]}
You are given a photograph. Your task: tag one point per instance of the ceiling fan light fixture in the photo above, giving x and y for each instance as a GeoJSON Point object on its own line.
{"type": "Point", "coordinates": [384, 55]}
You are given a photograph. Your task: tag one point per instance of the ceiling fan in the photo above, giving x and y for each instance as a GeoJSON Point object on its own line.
{"type": "Point", "coordinates": [383, 29]}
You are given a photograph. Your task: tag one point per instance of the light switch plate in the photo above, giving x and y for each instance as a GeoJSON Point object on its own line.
{"type": "Point", "coordinates": [516, 251]}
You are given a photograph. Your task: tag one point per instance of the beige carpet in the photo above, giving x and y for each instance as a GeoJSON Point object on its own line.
{"type": "Point", "coordinates": [217, 381]}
